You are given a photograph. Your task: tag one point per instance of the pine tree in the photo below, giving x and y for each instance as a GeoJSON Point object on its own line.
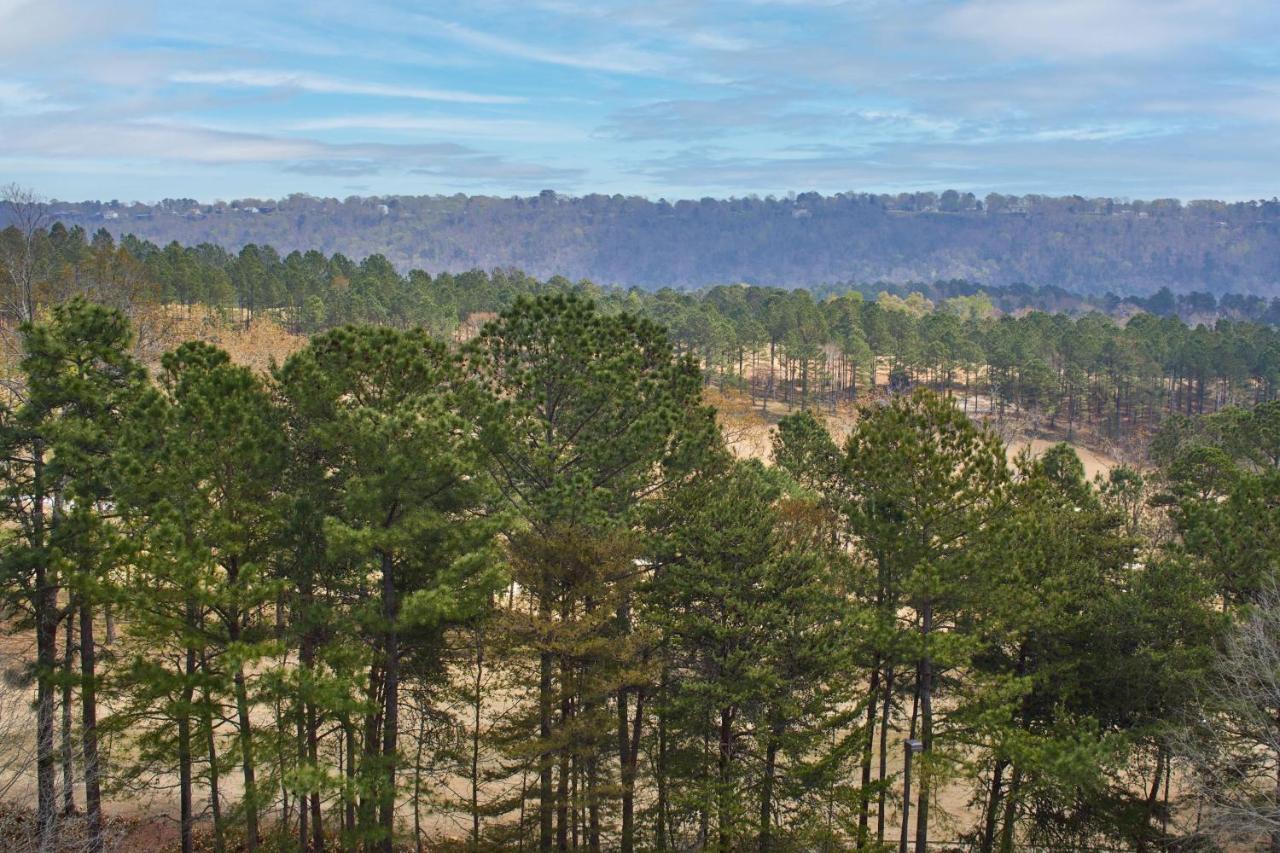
{"type": "Point", "coordinates": [204, 476]}
{"type": "Point", "coordinates": [396, 426]}
{"type": "Point", "coordinates": [757, 636]}
{"type": "Point", "coordinates": [79, 377]}
{"type": "Point", "coordinates": [598, 411]}
{"type": "Point", "coordinates": [926, 483]}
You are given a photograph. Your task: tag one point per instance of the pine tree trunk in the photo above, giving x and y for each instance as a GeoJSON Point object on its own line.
{"type": "Point", "coordinates": [661, 773]}
{"type": "Point", "coordinates": [1152, 798]}
{"type": "Point", "coordinates": [885, 708]}
{"type": "Point", "coordinates": [864, 804]}
{"type": "Point", "coordinates": [628, 746]}
{"type": "Point", "coordinates": [371, 750]}
{"type": "Point", "coordinates": [390, 723]}
{"type": "Point", "coordinates": [304, 814]}
{"type": "Point", "coordinates": [68, 749]}
{"type": "Point", "coordinates": [593, 804]}
{"type": "Point", "coordinates": [349, 797]}
{"type": "Point", "coordinates": [632, 759]}
{"type": "Point", "coordinates": [546, 802]}
{"type": "Point", "coordinates": [911, 733]}
{"type": "Point", "coordinates": [46, 615]}
{"type": "Point", "coordinates": [722, 765]}
{"type": "Point", "coordinates": [993, 806]}
{"type": "Point", "coordinates": [766, 786]}
{"type": "Point", "coordinates": [926, 730]}
{"type": "Point", "coordinates": [475, 740]}
{"type": "Point", "coordinates": [417, 783]}
{"type": "Point", "coordinates": [307, 658]}
{"type": "Point", "coordinates": [1010, 811]}
{"type": "Point", "coordinates": [185, 793]}
{"type": "Point", "coordinates": [215, 799]}
{"type": "Point", "coordinates": [247, 766]}
{"type": "Point", "coordinates": [89, 709]}
{"type": "Point", "coordinates": [562, 787]}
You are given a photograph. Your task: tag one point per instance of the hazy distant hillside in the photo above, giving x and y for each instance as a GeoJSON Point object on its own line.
{"type": "Point", "coordinates": [1086, 245]}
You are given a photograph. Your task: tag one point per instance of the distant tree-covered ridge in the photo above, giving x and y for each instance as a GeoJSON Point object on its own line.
{"type": "Point", "coordinates": [1091, 246]}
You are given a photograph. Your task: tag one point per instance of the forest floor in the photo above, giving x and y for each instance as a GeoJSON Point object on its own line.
{"type": "Point", "coordinates": [749, 429]}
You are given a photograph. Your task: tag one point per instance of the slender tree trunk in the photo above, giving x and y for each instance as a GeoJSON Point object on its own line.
{"type": "Point", "coordinates": [704, 810]}
{"type": "Point", "coordinates": [628, 744]}
{"type": "Point", "coordinates": [304, 813]}
{"type": "Point", "coordinates": [185, 793]}
{"type": "Point", "coordinates": [247, 765]}
{"type": "Point", "coordinates": [390, 723]}
{"type": "Point", "coordinates": [766, 786]}
{"type": "Point", "coordinates": [475, 740]}
{"type": "Point", "coordinates": [562, 779]}
{"type": "Point", "coordinates": [993, 806]}
{"type": "Point", "coordinates": [46, 618]}
{"type": "Point", "coordinates": [661, 773]}
{"type": "Point", "coordinates": [371, 750]}
{"type": "Point", "coordinates": [1275, 835]}
{"type": "Point", "coordinates": [627, 843]}
{"type": "Point", "coordinates": [1010, 811]}
{"type": "Point", "coordinates": [417, 784]}
{"type": "Point", "coordinates": [89, 709]}
{"type": "Point", "coordinates": [724, 827]}
{"type": "Point", "coordinates": [46, 642]}
{"type": "Point", "coordinates": [349, 795]}
{"type": "Point", "coordinates": [211, 746]}
{"type": "Point", "coordinates": [546, 801]}
{"type": "Point", "coordinates": [911, 733]}
{"type": "Point", "coordinates": [885, 708]}
{"type": "Point", "coordinates": [926, 731]}
{"type": "Point", "coordinates": [593, 804]}
{"type": "Point", "coordinates": [1152, 798]}
{"type": "Point", "coordinates": [629, 770]}
{"type": "Point", "coordinates": [307, 654]}
{"type": "Point", "coordinates": [864, 804]}
{"type": "Point", "coordinates": [68, 749]}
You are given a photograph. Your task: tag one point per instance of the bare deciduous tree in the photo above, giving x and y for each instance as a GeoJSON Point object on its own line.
{"type": "Point", "coordinates": [1234, 746]}
{"type": "Point", "coordinates": [19, 255]}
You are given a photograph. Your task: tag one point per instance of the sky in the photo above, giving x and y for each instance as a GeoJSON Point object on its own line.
{"type": "Point", "coordinates": [144, 100]}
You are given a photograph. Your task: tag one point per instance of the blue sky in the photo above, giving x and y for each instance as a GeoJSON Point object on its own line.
{"type": "Point", "coordinates": [138, 99]}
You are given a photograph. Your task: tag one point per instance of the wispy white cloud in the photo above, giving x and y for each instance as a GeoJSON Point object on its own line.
{"type": "Point", "coordinates": [20, 98]}
{"type": "Point", "coordinates": [32, 27]}
{"type": "Point", "coordinates": [1100, 133]}
{"type": "Point", "coordinates": [1092, 29]}
{"type": "Point", "coordinates": [449, 126]}
{"type": "Point", "coordinates": [202, 146]}
{"type": "Point", "coordinates": [320, 84]}
{"type": "Point", "coordinates": [616, 58]}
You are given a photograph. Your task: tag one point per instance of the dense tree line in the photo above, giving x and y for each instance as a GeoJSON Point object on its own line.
{"type": "Point", "coordinates": [521, 583]}
{"type": "Point", "coordinates": [1088, 245]}
{"type": "Point", "coordinates": [1065, 370]}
